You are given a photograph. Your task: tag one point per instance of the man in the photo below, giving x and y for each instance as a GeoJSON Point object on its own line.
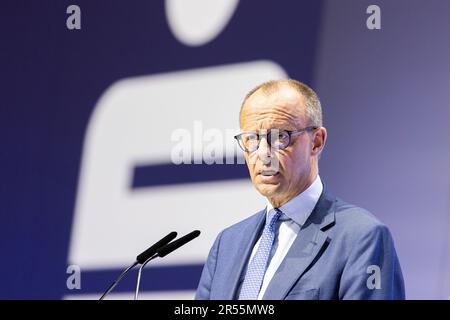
{"type": "Point", "coordinates": [306, 244]}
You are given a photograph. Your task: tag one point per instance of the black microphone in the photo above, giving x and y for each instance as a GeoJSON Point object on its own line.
{"type": "Point", "coordinates": [164, 251]}
{"type": "Point", "coordinates": [142, 258]}
{"type": "Point", "coordinates": [152, 250]}
{"type": "Point", "coordinates": [168, 248]}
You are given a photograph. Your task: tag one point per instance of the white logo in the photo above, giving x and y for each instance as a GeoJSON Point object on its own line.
{"type": "Point", "coordinates": [197, 22]}
{"type": "Point", "coordinates": [131, 126]}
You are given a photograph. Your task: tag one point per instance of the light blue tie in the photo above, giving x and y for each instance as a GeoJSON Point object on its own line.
{"type": "Point", "coordinates": [257, 268]}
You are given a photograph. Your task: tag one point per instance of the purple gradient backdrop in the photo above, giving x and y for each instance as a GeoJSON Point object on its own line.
{"type": "Point", "coordinates": [386, 98]}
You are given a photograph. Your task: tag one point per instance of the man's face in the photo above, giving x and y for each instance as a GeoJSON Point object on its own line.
{"type": "Point", "coordinates": [283, 109]}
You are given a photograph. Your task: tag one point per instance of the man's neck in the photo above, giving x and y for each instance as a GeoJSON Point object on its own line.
{"type": "Point", "coordinates": [278, 202]}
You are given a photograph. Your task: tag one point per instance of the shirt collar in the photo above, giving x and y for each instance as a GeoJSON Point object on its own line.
{"type": "Point", "coordinates": [300, 207]}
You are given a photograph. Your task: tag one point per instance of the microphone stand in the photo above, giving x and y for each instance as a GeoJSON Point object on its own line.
{"type": "Point", "coordinates": [118, 279]}
{"type": "Point", "coordinates": [150, 252]}
{"type": "Point", "coordinates": [163, 251]}
{"type": "Point", "coordinates": [138, 282]}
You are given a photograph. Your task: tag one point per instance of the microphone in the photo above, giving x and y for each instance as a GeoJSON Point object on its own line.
{"type": "Point", "coordinates": [168, 248]}
{"type": "Point", "coordinates": [141, 259]}
{"type": "Point", "coordinates": [164, 251]}
{"type": "Point", "coordinates": [152, 250]}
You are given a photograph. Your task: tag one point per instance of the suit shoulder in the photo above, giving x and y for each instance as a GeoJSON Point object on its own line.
{"type": "Point", "coordinates": [356, 220]}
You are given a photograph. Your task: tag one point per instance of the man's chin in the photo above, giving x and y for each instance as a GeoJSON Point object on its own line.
{"type": "Point", "coordinates": [268, 190]}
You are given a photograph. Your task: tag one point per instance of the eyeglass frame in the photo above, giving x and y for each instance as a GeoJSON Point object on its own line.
{"type": "Point", "coordinates": [290, 133]}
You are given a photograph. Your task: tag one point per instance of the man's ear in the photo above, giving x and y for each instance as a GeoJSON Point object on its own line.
{"type": "Point", "coordinates": [319, 140]}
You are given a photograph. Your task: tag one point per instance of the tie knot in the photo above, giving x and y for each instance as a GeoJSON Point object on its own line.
{"type": "Point", "coordinates": [273, 217]}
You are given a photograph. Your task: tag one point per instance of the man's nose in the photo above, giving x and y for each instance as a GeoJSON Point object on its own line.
{"type": "Point", "coordinates": [264, 151]}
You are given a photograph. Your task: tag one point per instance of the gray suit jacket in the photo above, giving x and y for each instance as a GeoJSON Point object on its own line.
{"type": "Point", "coordinates": [341, 252]}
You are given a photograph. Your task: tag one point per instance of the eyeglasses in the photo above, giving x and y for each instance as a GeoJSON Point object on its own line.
{"type": "Point", "coordinates": [279, 139]}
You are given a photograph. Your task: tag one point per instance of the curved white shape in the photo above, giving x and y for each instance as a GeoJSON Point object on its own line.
{"type": "Point", "coordinates": [197, 22]}
{"type": "Point", "coordinates": [112, 221]}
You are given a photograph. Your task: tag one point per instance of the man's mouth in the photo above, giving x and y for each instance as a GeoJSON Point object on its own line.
{"type": "Point", "coordinates": [268, 172]}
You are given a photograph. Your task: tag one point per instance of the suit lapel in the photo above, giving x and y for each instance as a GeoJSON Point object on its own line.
{"type": "Point", "coordinates": [242, 254]}
{"type": "Point", "coordinates": [304, 250]}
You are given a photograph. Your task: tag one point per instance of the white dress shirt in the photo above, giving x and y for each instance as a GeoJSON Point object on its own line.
{"type": "Point", "coordinates": [295, 213]}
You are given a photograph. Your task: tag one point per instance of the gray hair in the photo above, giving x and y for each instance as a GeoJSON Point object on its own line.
{"type": "Point", "coordinates": [313, 106]}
